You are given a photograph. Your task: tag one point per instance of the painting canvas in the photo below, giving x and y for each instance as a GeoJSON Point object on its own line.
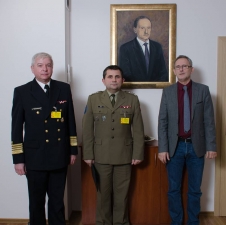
{"type": "Point", "coordinates": [158, 24]}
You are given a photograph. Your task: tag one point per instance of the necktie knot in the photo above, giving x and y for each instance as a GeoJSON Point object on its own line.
{"type": "Point", "coordinates": [47, 89]}
{"type": "Point", "coordinates": [113, 100]}
{"type": "Point", "coordinates": [185, 88]}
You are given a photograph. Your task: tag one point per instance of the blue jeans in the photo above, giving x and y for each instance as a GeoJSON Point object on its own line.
{"type": "Point", "coordinates": [184, 155]}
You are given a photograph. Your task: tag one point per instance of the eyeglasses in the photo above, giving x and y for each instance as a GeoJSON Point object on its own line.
{"type": "Point", "coordinates": [183, 67]}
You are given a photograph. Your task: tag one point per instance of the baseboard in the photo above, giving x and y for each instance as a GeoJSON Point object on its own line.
{"type": "Point", "coordinates": [209, 213]}
{"type": "Point", "coordinates": [6, 220]}
{"type": "Point", "coordinates": [19, 221]}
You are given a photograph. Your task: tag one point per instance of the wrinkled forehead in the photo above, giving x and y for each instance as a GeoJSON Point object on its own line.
{"type": "Point", "coordinates": [144, 22]}
{"type": "Point", "coordinates": [182, 61]}
{"type": "Point", "coordinates": [113, 72]}
{"type": "Point", "coordinates": [43, 59]}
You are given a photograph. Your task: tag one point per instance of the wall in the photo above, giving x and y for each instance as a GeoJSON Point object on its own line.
{"type": "Point", "coordinates": [28, 27]}
{"type": "Point", "coordinates": [199, 23]}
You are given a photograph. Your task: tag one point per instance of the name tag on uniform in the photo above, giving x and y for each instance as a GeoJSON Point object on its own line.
{"type": "Point", "coordinates": [124, 120]}
{"type": "Point", "coordinates": [55, 115]}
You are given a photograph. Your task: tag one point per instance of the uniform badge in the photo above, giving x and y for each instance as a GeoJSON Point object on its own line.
{"type": "Point", "coordinates": [124, 120]}
{"type": "Point", "coordinates": [62, 102]}
{"type": "Point", "coordinates": [55, 114]}
{"type": "Point", "coordinates": [125, 106]}
{"type": "Point", "coordinates": [37, 108]}
{"type": "Point", "coordinates": [103, 118]}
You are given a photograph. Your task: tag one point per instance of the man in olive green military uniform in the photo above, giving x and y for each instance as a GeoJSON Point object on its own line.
{"type": "Point", "coordinates": [113, 139]}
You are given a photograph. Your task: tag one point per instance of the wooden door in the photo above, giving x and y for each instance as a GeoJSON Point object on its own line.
{"type": "Point", "coordinates": [220, 184]}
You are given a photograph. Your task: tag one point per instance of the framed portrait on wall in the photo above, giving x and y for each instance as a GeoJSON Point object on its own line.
{"type": "Point", "coordinates": [143, 43]}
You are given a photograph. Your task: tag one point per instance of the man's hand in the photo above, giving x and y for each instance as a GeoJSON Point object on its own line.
{"type": "Point", "coordinates": [73, 159]}
{"type": "Point", "coordinates": [20, 169]}
{"type": "Point", "coordinates": [136, 161]}
{"type": "Point", "coordinates": [211, 155]}
{"type": "Point", "coordinates": [164, 157]}
{"type": "Point", "coordinates": [89, 162]}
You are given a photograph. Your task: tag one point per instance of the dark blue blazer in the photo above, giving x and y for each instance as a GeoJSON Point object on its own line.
{"type": "Point", "coordinates": [132, 62]}
{"type": "Point", "coordinates": [39, 141]}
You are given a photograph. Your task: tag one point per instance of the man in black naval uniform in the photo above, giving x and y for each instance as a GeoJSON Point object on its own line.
{"type": "Point", "coordinates": [43, 109]}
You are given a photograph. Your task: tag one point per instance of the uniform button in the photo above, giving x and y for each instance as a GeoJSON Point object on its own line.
{"type": "Point", "coordinates": [59, 139]}
{"type": "Point", "coordinates": [112, 137]}
{"type": "Point", "coordinates": [61, 110]}
{"type": "Point", "coordinates": [58, 130]}
{"type": "Point", "coordinates": [47, 140]}
{"type": "Point", "coordinates": [46, 131]}
{"type": "Point", "coordinates": [46, 121]}
{"type": "Point", "coordinates": [112, 128]}
{"type": "Point", "coordinates": [58, 120]}
{"type": "Point", "coordinates": [113, 120]}
{"type": "Point", "coordinates": [37, 112]}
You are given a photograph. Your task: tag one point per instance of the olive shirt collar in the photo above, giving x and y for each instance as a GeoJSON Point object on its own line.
{"type": "Point", "coordinates": [116, 95]}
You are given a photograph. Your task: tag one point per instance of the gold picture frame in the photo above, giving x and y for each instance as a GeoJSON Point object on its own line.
{"type": "Point", "coordinates": [163, 31]}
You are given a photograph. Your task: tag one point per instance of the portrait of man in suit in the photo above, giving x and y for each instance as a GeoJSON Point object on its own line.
{"type": "Point", "coordinates": [132, 26]}
{"type": "Point", "coordinates": [142, 59]}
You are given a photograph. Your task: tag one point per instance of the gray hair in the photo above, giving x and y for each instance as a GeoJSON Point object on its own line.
{"type": "Point", "coordinates": [41, 55]}
{"type": "Point", "coordinates": [184, 57]}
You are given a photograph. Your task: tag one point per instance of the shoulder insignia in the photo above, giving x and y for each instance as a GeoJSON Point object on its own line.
{"type": "Point", "coordinates": [130, 93]}
{"type": "Point", "coordinates": [98, 92]}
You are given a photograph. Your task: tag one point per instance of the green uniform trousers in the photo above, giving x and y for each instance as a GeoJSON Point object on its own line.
{"type": "Point", "coordinates": [112, 198]}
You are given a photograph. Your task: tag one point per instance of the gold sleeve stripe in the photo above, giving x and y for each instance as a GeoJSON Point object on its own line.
{"type": "Point", "coordinates": [17, 148]}
{"type": "Point", "coordinates": [17, 152]}
{"type": "Point", "coordinates": [73, 141]}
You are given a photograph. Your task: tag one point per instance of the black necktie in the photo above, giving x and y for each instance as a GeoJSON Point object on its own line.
{"type": "Point", "coordinates": [146, 55]}
{"type": "Point", "coordinates": [186, 110]}
{"type": "Point", "coordinates": [47, 89]}
{"type": "Point", "coordinates": [113, 100]}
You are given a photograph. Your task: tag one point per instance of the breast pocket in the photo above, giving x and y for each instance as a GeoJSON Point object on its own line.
{"type": "Point", "coordinates": [100, 115]}
{"type": "Point", "coordinates": [61, 106]}
{"type": "Point", "coordinates": [36, 112]}
{"type": "Point", "coordinates": [126, 113]}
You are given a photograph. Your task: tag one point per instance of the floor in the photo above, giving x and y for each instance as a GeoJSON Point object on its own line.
{"type": "Point", "coordinates": [205, 219]}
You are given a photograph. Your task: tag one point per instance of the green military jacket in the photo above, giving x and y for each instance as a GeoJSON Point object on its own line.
{"type": "Point", "coordinates": [113, 135]}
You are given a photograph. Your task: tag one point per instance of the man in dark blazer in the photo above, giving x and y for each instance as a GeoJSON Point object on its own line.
{"type": "Point", "coordinates": [185, 135]}
{"type": "Point", "coordinates": [141, 59]}
{"type": "Point", "coordinates": [44, 139]}
{"type": "Point", "coordinates": [113, 139]}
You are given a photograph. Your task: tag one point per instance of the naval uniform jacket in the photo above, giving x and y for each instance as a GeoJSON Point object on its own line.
{"type": "Point", "coordinates": [105, 138]}
{"type": "Point", "coordinates": [39, 141]}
